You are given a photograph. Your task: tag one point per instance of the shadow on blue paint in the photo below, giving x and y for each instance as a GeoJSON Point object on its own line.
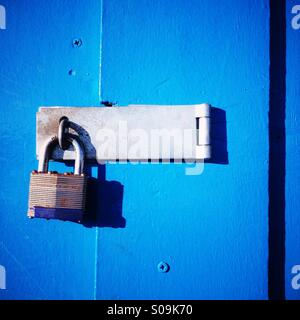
{"type": "Point", "coordinates": [104, 201]}
{"type": "Point", "coordinates": [277, 150]}
{"type": "Point", "coordinates": [218, 137]}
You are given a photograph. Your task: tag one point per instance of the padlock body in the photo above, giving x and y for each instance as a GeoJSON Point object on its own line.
{"type": "Point", "coordinates": [57, 196]}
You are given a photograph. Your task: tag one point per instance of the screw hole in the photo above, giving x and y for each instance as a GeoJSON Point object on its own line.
{"type": "Point", "coordinates": [72, 72]}
{"type": "Point", "coordinates": [77, 43]}
{"type": "Point", "coordinates": [163, 267]}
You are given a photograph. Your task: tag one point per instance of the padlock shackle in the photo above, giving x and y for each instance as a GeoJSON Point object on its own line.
{"type": "Point", "coordinates": [51, 143]}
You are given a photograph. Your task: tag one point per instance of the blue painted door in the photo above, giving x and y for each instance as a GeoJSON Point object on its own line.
{"type": "Point", "coordinates": [39, 66]}
{"type": "Point", "coordinates": [211, 228]}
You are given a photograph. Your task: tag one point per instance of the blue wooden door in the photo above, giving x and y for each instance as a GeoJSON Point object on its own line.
{"type": "Point", "coordinates": [40, 66]}
{"type": "Point", "coordinates": [210, 228]}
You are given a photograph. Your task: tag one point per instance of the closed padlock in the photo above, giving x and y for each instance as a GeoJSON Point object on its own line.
{"type": "Point", "coordinates": [55, 195]}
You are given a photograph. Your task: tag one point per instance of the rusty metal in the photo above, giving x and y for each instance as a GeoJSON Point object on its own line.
{"type": "Point", "coordinates": [57, 191]}
{"type": "Point", "coordinates": [52, 190]}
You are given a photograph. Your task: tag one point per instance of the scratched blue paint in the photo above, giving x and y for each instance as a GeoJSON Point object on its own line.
{"type": "Point", "coordinates": [292, 152]}
{"type": "Point", "coordinates": [211, 229]}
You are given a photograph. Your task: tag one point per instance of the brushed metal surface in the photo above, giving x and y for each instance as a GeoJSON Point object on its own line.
{"type": "Point", "coordinates": [135, 132]}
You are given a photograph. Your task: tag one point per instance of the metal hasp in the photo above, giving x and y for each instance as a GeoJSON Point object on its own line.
{"type": "Point", "coordinates": [132, 133]}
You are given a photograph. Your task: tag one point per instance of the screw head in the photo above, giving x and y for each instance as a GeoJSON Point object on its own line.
{"type": "Point", "coordinates": [163, 267]}
{"type": "Point", "coordinates": [77, 42]}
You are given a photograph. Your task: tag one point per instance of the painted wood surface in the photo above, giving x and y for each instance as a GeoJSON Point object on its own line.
{"type": "Point", "coordinates": [212, 228]}
{"type": "Point", "coordinates": [43, 260]}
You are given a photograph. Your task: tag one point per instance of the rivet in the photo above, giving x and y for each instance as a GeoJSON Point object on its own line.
{"type": "Point", "coordinates": [163, 267]}
{"type": "Point", "coordinates": [77, 42]}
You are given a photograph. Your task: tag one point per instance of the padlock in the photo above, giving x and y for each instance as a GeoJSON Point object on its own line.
{"type": "Point", "coordinates": [54, 195]}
